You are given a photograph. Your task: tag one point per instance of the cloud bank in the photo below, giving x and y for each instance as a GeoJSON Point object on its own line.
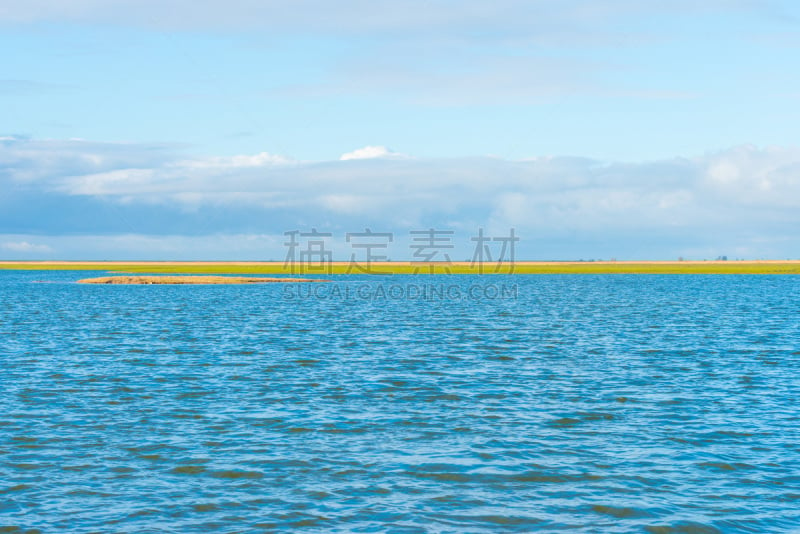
{"type": "Point", "coordinates": [740, 202]}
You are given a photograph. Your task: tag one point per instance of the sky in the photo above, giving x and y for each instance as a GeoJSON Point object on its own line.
{"type": "Point", "coordinates": [177, 129]}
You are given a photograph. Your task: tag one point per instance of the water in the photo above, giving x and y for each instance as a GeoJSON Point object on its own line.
{"type": "Point", "coordinates": [612, 403]}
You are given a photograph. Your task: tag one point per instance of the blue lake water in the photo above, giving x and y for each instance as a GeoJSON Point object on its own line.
{"type": "Point", "coordinates": [611, 403]}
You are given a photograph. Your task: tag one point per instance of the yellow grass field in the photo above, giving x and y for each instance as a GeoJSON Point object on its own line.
{"type": "Point", "coordinates": [399, 268]}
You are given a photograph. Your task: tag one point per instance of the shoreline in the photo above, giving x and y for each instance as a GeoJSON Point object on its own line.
{"type": "Point", "coordinates": [387, 263]}
{"type": "Point", "coordinates": [408, 268]}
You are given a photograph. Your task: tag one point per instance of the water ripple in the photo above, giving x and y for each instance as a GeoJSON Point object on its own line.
{"type": "Point", "coordinates": [596, 403]}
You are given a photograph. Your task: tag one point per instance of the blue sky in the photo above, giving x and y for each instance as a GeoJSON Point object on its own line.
{"type": "Point", "coordinates": [205, 129]}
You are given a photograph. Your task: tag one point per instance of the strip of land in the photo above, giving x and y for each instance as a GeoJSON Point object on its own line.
{"type": "Point", "coordinates": [520, 267]}
{"type": "Point", "coordinates": [178, 280]}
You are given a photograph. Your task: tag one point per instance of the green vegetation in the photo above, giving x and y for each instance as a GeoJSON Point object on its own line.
{"type": "Point", "coordinates": [729, 267]}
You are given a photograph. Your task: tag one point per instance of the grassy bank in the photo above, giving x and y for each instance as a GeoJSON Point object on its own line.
{"type": "Point", "coordinates": [210, 268]}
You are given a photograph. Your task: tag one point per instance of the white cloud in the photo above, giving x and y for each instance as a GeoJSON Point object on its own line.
{"type": "Point", "coordinates": [25, 247]}
{"type": "Point", "coordinates": [371, 152]}
{"type": "Point", "coordinates": [256, 160]}
{"type": "Point", "coordinates": [346, 203]}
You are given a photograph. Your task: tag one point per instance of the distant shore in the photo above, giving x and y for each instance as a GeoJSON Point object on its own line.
{"type": "Point", "coordinates": [519, 267]}
{"type": "Point", "coordinates": [184, 280]}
